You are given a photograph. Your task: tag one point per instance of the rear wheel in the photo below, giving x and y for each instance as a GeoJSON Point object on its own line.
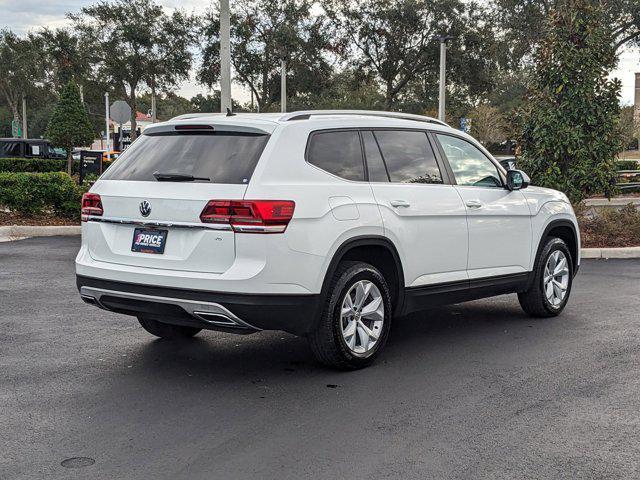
{"type": "Point", "coordinates": [166, 330]}
{"type": "Point", "coordinates": [356, 318]}
{"type": "Point", "coordinates": [552, 281]}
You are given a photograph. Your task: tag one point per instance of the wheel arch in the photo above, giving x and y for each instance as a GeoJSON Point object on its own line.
{"type": "Point", "coordinates": [565, 230]}
{"type": "Point", "coordinates": [378, 251]}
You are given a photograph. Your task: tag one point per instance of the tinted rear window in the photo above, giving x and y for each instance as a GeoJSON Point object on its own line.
{"type": "Point", "coordinates": [337, 152]}
{"type": "Point", "coordinates": [223, 157]}
{"type": "Point", "coordinates": [408, 156]}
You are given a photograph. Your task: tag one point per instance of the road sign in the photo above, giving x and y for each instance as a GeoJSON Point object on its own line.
{"type": "Point", "coordinates": [120, 112]}
{"type": "Point", "coordinates": [16, 131]}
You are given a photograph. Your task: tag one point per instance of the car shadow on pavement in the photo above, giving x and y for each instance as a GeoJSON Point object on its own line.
{"type": "Point", "coordinates": [220, 356]}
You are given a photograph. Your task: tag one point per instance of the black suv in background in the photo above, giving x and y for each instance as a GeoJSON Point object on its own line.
{"type": "Point", "coordinates": [29, 148]}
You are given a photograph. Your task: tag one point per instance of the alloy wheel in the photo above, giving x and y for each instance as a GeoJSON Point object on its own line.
{"type": "Point", "coordinates": [556, 278]}
{"type": "Point", "coordinates": [362, 317]}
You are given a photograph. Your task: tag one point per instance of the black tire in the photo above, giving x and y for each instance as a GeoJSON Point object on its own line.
{"type": "Point", "coordinates": [166, 330]}
{"type": "Point", "coordinates": [534, 301]}
{"type": "Point", "coordinates": [327, 341]}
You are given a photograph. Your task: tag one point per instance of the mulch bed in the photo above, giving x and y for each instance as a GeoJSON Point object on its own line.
{"type": "Point", "coordinates": [9, 219]}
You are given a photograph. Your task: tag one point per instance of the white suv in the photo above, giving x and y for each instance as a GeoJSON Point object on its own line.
{"type": "Point", "coordinates": [324, 224]}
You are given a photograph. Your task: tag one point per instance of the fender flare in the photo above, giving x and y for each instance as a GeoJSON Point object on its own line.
{"type": "Point", "coordinates": [550, 226]}
{"type": "Point", "coordinates": [363, 241]}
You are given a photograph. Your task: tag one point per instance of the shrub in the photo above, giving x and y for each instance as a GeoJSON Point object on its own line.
{"type": "Point", "coordinates": [39, 165]}
{"type": "Point", "coordinates": [34, 165]}
{"type": "Point", "coordinates": [627, 165]}
{"type": "Point", "coordinates": [30, 194]}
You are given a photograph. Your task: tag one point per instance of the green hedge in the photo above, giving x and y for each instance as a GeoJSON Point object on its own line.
{"type": "Point", "coordinates": [627, 165]}
{"type": "Point", "coordinates": [30, 194]}
{"type": "Point", "coordinates": [39, 165]}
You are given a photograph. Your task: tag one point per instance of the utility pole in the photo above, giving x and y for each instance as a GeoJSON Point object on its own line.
{"type": "Point", "coordinates": [283, 85]}
{"type": "Point", "coordinates": [225, 56]}
{"type": "Point", "coordinates": [106, 119]}
{"type": "Point", "coordinates": [154, 116]}
{"type": "Point", "coordinates": [24, 116]}
{"type": "Point", "coordinates": [443, 66]}
{"type": "Point", "coordinates": [81, 94]}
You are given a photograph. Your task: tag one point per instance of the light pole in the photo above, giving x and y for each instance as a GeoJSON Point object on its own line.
{"type": "Point", "coordinates": [106, 120]}
{"type": "Point", "coordinates": [283, 84]}
{"type": "Point", "coordinates": [24, 116]}
{"type": "Point", "coordinates": [443, 66]}
{"type": "Point", "coordinates": [225, 57]}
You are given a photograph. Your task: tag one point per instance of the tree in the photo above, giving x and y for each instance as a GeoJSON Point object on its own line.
{"type": "Point", "coordinates": [69, 124]}
{"type": "Point", "coordinates": [135, 43]}
{"type": "Point", "coordinates": [488, 125]}
{"type": "Point", "coordinates": [262, 32]}
{"type": "Point", "coordinates": [23, 69]}
{"type": "Point", "coordinates": [521, 22]}
{"type": "Point", "coordinates": [630, 127]}
{"type": "Point", "coordinates": [570, 121]}
{"type": "Point", "coordinates": [169, 105]}
{"type": "Point", "coordinates": [211, 103]}
{"type": "Point", "coordinates": [398, 43]}
{"type": "Point", "coordinates": [66, 56]}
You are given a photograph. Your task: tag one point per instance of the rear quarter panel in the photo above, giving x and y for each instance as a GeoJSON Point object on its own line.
{"type": "Point", "coordinates": [329, 210]}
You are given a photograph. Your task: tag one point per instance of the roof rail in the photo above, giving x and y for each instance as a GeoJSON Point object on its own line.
{"type": "Point", "coordinates": [305, 114]}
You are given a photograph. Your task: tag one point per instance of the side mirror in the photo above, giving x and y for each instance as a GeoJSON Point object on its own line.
{"type": "Point", "coordinates": [517, 179]}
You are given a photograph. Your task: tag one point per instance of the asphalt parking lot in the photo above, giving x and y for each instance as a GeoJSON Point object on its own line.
{"type": "Point", "coordinates": [469, 391]}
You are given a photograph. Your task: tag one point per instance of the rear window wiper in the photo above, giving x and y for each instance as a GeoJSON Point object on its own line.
{"type": "Point", "coordinates": [177, 177]}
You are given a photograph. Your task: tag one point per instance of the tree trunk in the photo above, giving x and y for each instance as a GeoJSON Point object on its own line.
{"type": "Point", "coordinates": [388, 101]}
{"type": "Point", "coordinates": [69, 159]}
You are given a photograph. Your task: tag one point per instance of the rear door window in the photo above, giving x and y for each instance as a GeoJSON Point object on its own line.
{"type": "Point", "coordinates": [337, 152]}
{"type": "Point", "coordinates": [220, 157]}
{"type": "Point", "coordinates": [408, 156]}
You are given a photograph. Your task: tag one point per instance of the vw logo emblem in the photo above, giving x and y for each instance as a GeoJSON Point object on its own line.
{"type": "Point", "coordinates": [145, 208]}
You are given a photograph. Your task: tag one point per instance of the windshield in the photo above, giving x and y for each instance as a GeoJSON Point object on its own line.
{"type": "Point", "coordinates": [220, 157]}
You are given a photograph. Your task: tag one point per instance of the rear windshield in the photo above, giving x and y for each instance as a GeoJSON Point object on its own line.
{"type": "Point", "coordinates": [222, 157]}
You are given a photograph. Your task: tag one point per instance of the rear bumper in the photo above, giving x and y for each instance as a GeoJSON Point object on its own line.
{"type": "Point", "coordinates": [233, 312]}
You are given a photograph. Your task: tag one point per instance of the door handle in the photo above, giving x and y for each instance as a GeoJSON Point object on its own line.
{"type": "Point", "coordinates": [399, 204]}
{"type": "Point", "coordinates": [473, 203]}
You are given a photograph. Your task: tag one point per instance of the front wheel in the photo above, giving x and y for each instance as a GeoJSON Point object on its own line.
{"type": "Point", "coordinates": [166, 330]}
{"type": "Point", "coordinates": [551, 286]}
{"type": "Point", "coordinates": [356, 318]}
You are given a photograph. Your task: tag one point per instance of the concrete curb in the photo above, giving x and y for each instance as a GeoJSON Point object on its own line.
{"type": "Point", "coordinates": [18, 232]}
{"type": "Point", "coordinates": [614, 202]}
{"type": "Point", "coordinates": [623, 252]}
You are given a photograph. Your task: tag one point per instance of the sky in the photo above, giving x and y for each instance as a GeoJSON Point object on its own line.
{"type": "Point", "coordinates": [22, 16]}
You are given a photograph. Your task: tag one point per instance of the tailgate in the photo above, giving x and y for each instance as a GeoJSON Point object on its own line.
{"type": "Point", "coordinates": [175, 208]}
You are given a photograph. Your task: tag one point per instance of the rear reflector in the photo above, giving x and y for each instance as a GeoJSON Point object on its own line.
{"type": "Point", "coordinates": [91, 205]}
{"type": "Point", "coordinates": [250, 216]}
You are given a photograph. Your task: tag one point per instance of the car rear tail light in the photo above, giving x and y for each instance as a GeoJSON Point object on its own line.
{"type": "Point", "coordinates": [91, 205]}
{"type": "Point", "coordinates": [250, 216]}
